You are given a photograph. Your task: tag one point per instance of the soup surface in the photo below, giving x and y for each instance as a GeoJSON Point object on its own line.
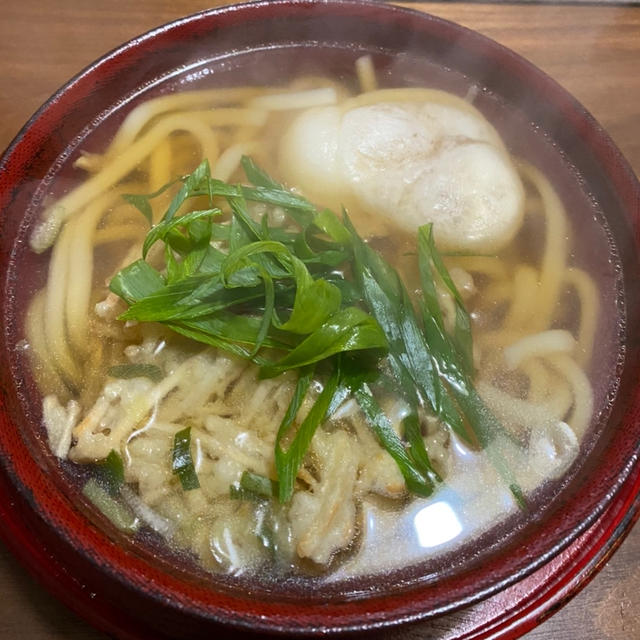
{"type": "Point", "coordinates": [325, 328]}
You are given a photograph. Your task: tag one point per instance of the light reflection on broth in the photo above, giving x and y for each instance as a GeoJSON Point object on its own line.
{"type": "Point", "coordinates": [534, 315]}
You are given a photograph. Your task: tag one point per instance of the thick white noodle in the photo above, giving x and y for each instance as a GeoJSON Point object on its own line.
{"type": "Point", "coordinates": [537, 345]}
{"type": "Point", "coordinates": [523, 306]}
{"type": "Point", "coordinates": [589, 311]}
{"type": "Point", "coordinates": [229, 161]}
{"type": "Point", "coordinates": [76, 289]}
{"type": "Point", "coordinates": [199, 123]}
{"type": "Point", "coordinates": [45, 370]}
{"type": "Point", "coordinates": [141, 116]}
{"type": "Point", "coordinates": [554, 260]}
{"type": "Point", "coordinates": [580, 417]}
{"type": "Point", "coordinates": [366, 73]}
{"type": "Point", "coordinates": [295, 100]}
{"type": "Point", "coordinates": [54, 311]}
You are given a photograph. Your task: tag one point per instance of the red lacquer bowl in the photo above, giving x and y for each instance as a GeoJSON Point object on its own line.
{"type": "Point", "coordinates": [516, 572]}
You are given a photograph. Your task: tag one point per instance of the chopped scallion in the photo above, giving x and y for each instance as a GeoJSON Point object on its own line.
{"type": "Point", "coordinates": [253, 486]}
{"type": "Point", "coordinates": [119, 515]}
{"type": "Point", "coordinates": [182, 464]}
{"type": "Point", "coordinates": [111, 472]}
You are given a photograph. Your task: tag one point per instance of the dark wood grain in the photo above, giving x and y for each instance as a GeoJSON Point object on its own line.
{"type": "Point", "coordinates": [594, 51]}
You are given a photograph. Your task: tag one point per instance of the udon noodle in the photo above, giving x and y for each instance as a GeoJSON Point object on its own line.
{"type": "Point", "coordinates": [534, 320]}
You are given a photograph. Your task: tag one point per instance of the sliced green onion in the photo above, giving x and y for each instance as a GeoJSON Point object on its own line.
{"type": "Point", "coordinates": [427, 256]}
{"type": "Point", "coordinates": [111, 472]}
{"type": "Point", "coordinates": [141, 201]}
{"type": "Point", "coordinates": [416, 481]}
{"type": "Point", "coordinates": [136, 281]}
{"type": "Point", "coordinates": [119, 515]}
{"type": "Point", "coordinates": [253, 486]}
{"type": "Point", "coordinates": [288, 462]}
{"type": "Point", "coordinates": [182, 464]}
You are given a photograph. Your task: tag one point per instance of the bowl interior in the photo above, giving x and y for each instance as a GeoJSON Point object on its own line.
{"type": "Point", "coordinates": [271, 43]}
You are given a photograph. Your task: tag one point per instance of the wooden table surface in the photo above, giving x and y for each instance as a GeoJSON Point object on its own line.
{"type": "Point", "coordinates": [593, 51]}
